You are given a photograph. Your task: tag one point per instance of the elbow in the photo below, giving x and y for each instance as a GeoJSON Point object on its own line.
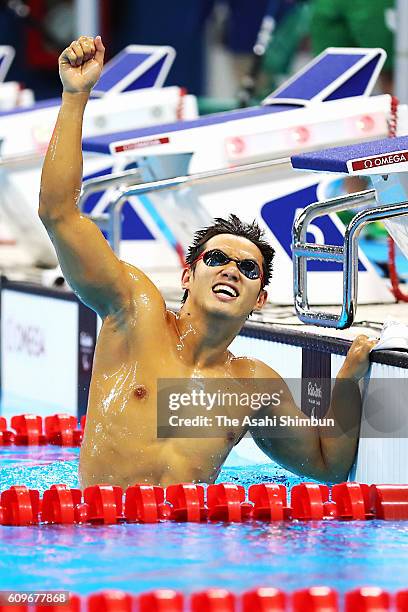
{"type": "Point", "coordinates": [44, 210]}
{"type": "Point", "coordinates": [50, 213]}
{"type": "Point", "coordinates": [43, 216]}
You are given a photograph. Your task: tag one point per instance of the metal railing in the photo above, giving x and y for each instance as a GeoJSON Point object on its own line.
{"type": "Point", "coordinates": [21, 159]}
{"type": "Point", "coordinates": [119, 180]}
{"type": "Point", "coordinates": [129, 184]}
{"type": "Point", "coordinates": [347, 254]}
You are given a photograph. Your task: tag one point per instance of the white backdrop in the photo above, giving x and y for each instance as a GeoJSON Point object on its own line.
{"type": "Point", "coordinates": [39, 354]}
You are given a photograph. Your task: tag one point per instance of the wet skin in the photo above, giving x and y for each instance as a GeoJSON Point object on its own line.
{"type": "Point", "coordinates": [141, 341]}
{"type": "Point", "coordinates": [145, 342]}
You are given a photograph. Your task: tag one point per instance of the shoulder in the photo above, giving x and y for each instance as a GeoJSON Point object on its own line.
{"type": "Point", "coordinates": [140, 285]}
{"type": "Point", "coordinates": [142, 300]}
{"type": "Point", "coordinates": [249, 367]}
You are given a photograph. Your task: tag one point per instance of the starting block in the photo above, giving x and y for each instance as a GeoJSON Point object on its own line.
{"type": "Point", "coordinates": [386, 163]}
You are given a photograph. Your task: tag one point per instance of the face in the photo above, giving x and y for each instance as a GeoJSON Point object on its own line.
{"type": "Point", "coordinates": [225, 290]}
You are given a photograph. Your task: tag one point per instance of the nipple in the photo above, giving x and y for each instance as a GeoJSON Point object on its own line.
{"type": "Point", "coordinates": [230, 436]}
{"type": "Point", "coordinates": [140, 392]}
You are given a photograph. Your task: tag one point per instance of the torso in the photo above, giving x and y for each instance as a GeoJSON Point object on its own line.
{"type": "Point", "coordinates": [120, 445]}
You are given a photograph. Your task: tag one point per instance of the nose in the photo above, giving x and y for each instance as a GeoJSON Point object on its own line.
{"type": "Point", "coordinates": [231, 271]}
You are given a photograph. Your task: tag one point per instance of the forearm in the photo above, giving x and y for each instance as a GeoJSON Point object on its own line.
{"type": "Point", "coordinates": [62, 170]}
{"type": "Point", "coordinates": [339, 442]}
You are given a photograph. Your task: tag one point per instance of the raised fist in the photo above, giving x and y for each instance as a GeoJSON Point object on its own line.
{"type": "Point", "coordinates": [80, 64]}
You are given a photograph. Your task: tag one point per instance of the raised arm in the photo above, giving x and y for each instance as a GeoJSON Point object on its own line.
{"type": "Point", "coordinates": [323, 453]}
{"type": "Point", "coordinates": [86, 259]}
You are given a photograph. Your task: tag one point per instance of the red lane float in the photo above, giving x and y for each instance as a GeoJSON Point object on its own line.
{"type": "Point", "coordinates": [110, 601]}
{"type": "Point", "coordinates": [162, 600]}
{"type": "Point", "coordinates": [315, 599]}
{"type": "Point", "coordinates": [14, 608]}
{"type": "Point", "coordinates": [264, 600]}
{"type": "Point", "coordinates": [225, 502]}
{"type": "Point", "coordinates": [270, 502]}
{"type": "Point", "coordinates": [29, 430]}
{"type": "Point", "coordinates": [187, 502]}
{"type": "Point", "coordinates": [352, 501]}
{"type": "Point", "coordinates": [310, 502]}
{"type": "Point", "coordinates": [58, 505]}
{"type": "Point", "coordinates": [367, 599]}
{"type": "Point", "coordinates": [390, 502]}
{"type": "Point", "coordinates": [401, 601]}
{"type": "Point", "coordinates": [104, 504]}
{"type": "Point", "coordinates": [7, 438]}
{"type": "Point", "coordinates": [20, 506]}
{"type": "Point", "coordinates": [213, 600]}
{"type": "Point", "coordinates": [72, 605]}
{"type": "Point", "coordinates": [144, 504]}
{"type": "Point", "coordinates": [59, 429]}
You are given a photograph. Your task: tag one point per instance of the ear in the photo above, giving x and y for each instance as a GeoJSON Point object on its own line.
{"type": "Point", "coordinates": [185, 277]}
{"type": "Point", "coordinates": [262, 297]}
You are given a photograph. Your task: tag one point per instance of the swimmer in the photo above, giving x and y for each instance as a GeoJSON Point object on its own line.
{"type": "Point", "coordinates": [141, 342]}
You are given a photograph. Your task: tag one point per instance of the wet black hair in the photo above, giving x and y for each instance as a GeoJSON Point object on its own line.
{"type": "Point", "coordinates": [234, 226]}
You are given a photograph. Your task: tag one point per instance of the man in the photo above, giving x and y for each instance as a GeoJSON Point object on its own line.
{"type": "Point", "coordinates": [141, 342]}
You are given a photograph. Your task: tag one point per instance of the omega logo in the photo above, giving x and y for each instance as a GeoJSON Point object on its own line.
{"type": "Point", "coordinates": [384, 160]}
{"type": "Point", "coordinates": [28, 339]}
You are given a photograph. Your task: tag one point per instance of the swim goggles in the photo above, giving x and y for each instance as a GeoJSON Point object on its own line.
{"type": "Point", "coordinates": [216, 257]}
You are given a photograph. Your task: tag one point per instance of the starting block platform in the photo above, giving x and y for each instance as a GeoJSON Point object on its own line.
{"type": "Point", "coordinates": [376, 157]}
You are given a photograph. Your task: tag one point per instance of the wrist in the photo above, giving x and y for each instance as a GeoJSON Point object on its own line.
{"type": "Point", "coordinates": [346, 374]}
{"type": "Point", "coordinates": [75, 97]}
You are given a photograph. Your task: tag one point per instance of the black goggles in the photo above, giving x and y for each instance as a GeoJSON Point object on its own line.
{"type": "Point", "coordinates": [216, 257]}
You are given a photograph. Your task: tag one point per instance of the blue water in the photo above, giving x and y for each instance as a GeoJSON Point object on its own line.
{"type": "Point", "coordinates": [189, 556]}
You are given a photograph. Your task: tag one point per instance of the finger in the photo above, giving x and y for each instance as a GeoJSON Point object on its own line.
{"type": "Point", "coordinates": [88, 47]}
{"type": "Point", "coordinates": [68, 56]}
{"type": "Point", "coordinates": [77, 49]}
{"type": "Point", "coordinates": [100, 50]}
{"type": "Point", "coordinates": [361, 338]}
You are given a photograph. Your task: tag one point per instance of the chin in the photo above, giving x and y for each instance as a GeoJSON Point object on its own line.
{"type": "Point", "coordinates": [224, 311]}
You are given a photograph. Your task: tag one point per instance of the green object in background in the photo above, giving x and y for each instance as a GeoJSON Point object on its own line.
{"type": "Point", "coordinates": [352, 23]}
{"type": "Point", "coordinates": [208, 106]}
{"type": "Point", "coordinates": [285, 42]}
{"type": "Point", "coordinates": [373, 231]}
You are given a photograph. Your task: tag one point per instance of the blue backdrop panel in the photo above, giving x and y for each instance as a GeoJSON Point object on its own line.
{"type": "Point", "coordinates": [357, 84]}
{"type": "Point", "coordinates": [148, 78]}
{"type": "Point", "coordinates": [319, 76]}
{"type": "Point", "coordinates": [119, 68]}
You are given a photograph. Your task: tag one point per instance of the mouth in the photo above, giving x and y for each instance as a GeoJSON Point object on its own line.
{"type": "Point", "coordinates": [225, 292]}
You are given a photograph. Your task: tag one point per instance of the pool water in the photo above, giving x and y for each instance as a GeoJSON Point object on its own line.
{"type": "Point", "coordinates": [189, 556]}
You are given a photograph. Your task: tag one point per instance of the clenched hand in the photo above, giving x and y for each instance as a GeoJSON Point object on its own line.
{"type": "Point", "coordinates": [80, 64]}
